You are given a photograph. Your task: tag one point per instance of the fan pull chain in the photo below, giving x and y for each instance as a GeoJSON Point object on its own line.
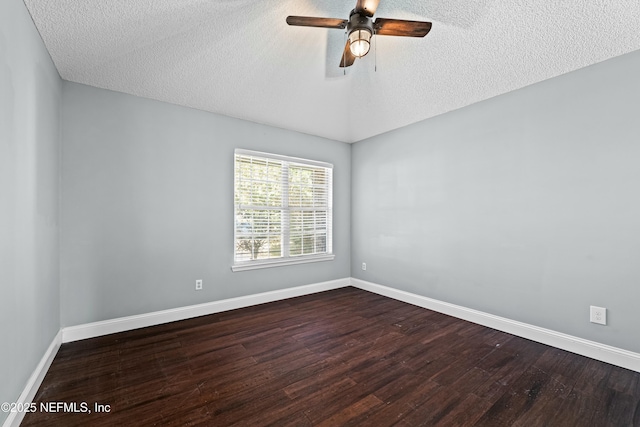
{"type": "Point", "coordinates": [375, 54]}
{"type": "Point", "coordinates": [344, 42]}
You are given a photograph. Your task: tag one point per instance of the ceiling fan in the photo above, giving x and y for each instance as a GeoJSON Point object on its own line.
{"type": "Point", "coordinates": [361, 27]}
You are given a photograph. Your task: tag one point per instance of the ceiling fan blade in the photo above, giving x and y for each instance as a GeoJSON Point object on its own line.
{"type": "Point", "coordinates": [348, 58]}
{"type": "Point", "coordinates": [309, 21]}
{"type": "Point", "coordinates": [367, 7]}
{"type": "Point", "coordinates": [400, 27]}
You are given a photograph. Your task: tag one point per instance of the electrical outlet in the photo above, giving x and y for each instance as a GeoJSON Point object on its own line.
{"type": "Point", "coordinates": [199, 285]}
{"type": "Point", "coordinates": [598, 315]}
{"type": "Point", "coordinates": [364, 265]}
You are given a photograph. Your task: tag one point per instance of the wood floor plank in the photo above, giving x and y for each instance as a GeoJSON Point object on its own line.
{"type": "Point", "coordinates": [344, 357]}
{"type": "Point", "coordinates": [434, 409]}
{"type": "Point", "coordinates": [350, 413]}
{"type": "Point", "coordinates": [466, 413]}
{"type": "Point", "coordinates": [522, 397]}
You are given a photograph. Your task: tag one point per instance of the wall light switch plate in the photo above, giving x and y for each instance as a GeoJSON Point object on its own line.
{"type": "Point", "coordinates": [598, 315]}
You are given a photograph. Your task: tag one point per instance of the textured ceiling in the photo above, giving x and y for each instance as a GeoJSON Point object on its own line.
{"type": "Point", "coordinates": [239, 57]}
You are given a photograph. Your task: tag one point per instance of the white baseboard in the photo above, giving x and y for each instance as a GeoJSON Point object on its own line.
{"type": "Point", "coordinates": [33, 384]}
{"type": "Point", "coordinates": [605, 353]}
{"type": "Point", "coordinates": [96, 329]}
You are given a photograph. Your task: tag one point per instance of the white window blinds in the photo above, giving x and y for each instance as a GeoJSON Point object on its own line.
{"type": "Point", "coordinates": [283, 210]}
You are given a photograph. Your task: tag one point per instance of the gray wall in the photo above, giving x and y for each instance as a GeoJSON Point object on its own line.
{"type": "Point", "coordinates": [29, 145]}
{"type": "Point", "coordinates": [525, 206]}
{"type": "Point", "coordinates": [147, 205]}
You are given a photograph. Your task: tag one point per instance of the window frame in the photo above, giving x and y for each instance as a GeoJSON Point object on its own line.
{"type": "Point", "coordinates": [286, 258]}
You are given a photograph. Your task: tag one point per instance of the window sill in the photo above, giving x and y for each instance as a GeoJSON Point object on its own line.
{"type": "Point", "coordinates": [280, 262]}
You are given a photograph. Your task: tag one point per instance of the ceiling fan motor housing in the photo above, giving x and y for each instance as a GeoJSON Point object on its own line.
{"type": "Point", "coordinates": [359, 22]}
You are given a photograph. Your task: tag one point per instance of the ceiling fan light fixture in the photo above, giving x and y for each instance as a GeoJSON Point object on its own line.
{"type": "Point", "coordinates": [359, 42]}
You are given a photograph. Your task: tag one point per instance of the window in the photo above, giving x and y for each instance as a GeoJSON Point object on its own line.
{"type": "Point", "coordinates": [283, 210]}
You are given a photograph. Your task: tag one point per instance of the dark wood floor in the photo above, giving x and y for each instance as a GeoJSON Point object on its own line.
{"type": "Point", "coordinates": [343, 357]}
